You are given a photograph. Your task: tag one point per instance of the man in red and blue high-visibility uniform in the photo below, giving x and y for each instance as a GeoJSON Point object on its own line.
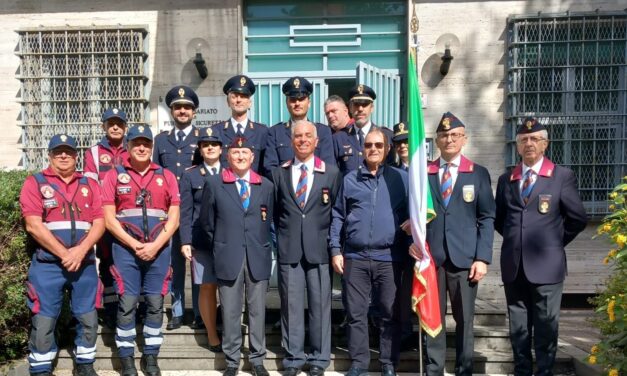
{"type": "Point", "coordinates": [98, 160]}
{"type": "Point", "coordinates": [63, 216]}
{"type": "Point", "coordinates": [141, 205]}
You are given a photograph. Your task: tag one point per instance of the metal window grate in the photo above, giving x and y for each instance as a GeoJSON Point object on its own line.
{"type": "Point", "coordinates": [69, 76]}
{"type": "Point", "coordinates": [570, 71]}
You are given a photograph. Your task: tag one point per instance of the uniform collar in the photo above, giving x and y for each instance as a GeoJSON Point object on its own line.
{"type": "Point", "coordinates": [50, 172]}
{"type": "Point", "coordinates": [107, 145]}
{"type": "Point", "coordinates": [464, 165]}
{"type": "Point", "coordinates": [127, 165]}
{"type": "Point", "coordinates": [318, 164]}
{"type": "Point", "coordinates": [187, 130]}
{"type": "Point", "coordinates": [228, 176]}
{"type": "Point", "coordinates": [546, 169]}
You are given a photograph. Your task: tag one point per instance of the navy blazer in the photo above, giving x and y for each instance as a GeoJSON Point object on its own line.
{"type": "Point", "coordinates": [167, 153]}
{"type": "Point", "coordinates": [304, 231]}
{"type": "Point", "coordinates": [233, 232]}
{"type": "Point", "coordinates": [536, 234]}
{"type": "Point", "coordinates": [466, 226]}
{"type": "Point", "coordinates": [256, 135]}
{"type": "Point", "coordinates": [191, 188]}
{"type": "Point", "coordinates": [347, 151]}
{"type": "Point", "coordinates": [279, 147]}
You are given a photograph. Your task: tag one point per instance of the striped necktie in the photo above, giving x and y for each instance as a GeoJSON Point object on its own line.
{"type": "Point", "coordinates": [527, 186]}
{"type": "Point", "coordinates": [446, 185]}
{"type": "Point", "coordinates": [301, 187]}
{"type": "Point", "coordinates": [243, 193]}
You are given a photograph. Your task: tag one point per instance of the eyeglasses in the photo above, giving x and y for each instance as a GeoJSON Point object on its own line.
{"type": "Point", "coordinates": [61, 153]}
{"type": "Point", "coordinates": [378, 145]}
{"type": "Point", "coordinates": [533, 140]}
{"type": "Point", "coordinates": [453, 136]}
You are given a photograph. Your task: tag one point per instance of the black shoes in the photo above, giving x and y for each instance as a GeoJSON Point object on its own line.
{"type": "Point", "coordinates": [291, 371]}
{"type": "Point", "coordinates": [316, 371]}
{"type": "Point", "coordinates": [230, 371]}
{"type": "Point", "coordinates": [388, 370]}
{"type": "Point", "coordinates": [355, 371]}
{"type": "Point", "coordinates": [128, 366]}
{"type": "Point", "coordinates": [85, 370]}
{"type": "Point", "coordinates": [149, 366]}
{"type": "Point", "coordinates": [174, 323]}
{"type": "Point", "coordinates": [197, 324]}
{"type": "Point", "coordinates": [215, 348]}
{"type": "Point", "coordinates": [260, 370]}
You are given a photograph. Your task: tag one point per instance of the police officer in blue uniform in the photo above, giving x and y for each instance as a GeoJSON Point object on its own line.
{"type": "Point", "coordinates": [203, 271]}
{"type": "Point", "coordinates": [297, 91]}
{"type": "Point", "coordinates": [239, 90]}
{"type": "Point", "coordinates": [401, 145]}
{"type": "Point", "coordinates": [174, 150]}
{"type": "Point", "coordinates": [348, 142]}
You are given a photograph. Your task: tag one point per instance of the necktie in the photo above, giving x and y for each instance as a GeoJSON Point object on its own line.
{"type": "Point", "coordinates": [527, 186]}
{"type": "Point", "coordinates": [243, 193]}
{"type": "Point", "coordinates": [214, 170]}
{"type": "Point", "coordinates": [360, 137]}
{"type": "Point", "coordinates": [301, 187]}
{"type": "Point", "coordinates": [181, 136]}
{"type": "Point", "coordinates": [446, 184]}
{"type": "Point", "coordinates": [240, 130]}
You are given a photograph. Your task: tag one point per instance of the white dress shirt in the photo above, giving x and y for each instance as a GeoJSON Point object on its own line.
{"type": "Point", "coordinates": [209, 168]}
{"type": "Point", "coordinates": [187, 130]}
{"type": "Point", "coordinates": [536, 169]}
{"type": "Point", "coordinates": [246, 181]}
{"type": "Point", "coordinates": [296, 174]}
{"type": "Point", "coordinates": [453, 168]}
{"type": "Point", "coordinates": [235, 122]}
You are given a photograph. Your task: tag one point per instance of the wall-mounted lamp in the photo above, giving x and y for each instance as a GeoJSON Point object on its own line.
{"type": "Point", "coordinates": [201, 67]}
{"type": "Point", "coordinates": [195, 48]}
{"type": "Point", "coordinates": [446, 60]}
{"type": "Point", "coordinates": [448, 43]}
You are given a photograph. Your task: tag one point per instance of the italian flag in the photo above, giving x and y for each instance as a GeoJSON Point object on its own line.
{"type": "Point", "coordinates": [425, 300]}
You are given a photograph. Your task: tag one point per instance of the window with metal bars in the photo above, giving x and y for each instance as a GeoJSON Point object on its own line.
{"type": "Point", "coordinates": [570, 71]}
{"type": "Point", "coordinates": [70, 76]}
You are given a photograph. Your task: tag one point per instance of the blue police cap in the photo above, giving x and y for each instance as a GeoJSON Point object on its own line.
{"type": "Point", "coordinates": [448, 122]}
{"type": "Point", "coordinates": [239, 84]}
{"type": "Point", "coordinates": [530, 125]}
{"type": "Point", "coordinates": [139, 131]}
{"type": "Point", "coordinates": [111, 113]}
{"type": "Point", "coordinates": [62, 140]}
{"type": "Point", "coordinates": [207, 135]}
{"type": "Point", "coordinates": [297, 87]}
{"type": "Point", "coordinates": [362, 92]}
{"type": "Point", "coordinates": [181, 94]}
{"type": "Point", "coordinates": [401, 132]}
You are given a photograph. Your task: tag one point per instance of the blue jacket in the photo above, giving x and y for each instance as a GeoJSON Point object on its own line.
{"type": "Point", "coordinates": [369, 211]}
{"type": "Point", "coordinates": [168, 154]}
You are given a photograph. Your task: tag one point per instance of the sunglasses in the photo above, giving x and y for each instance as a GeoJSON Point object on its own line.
{"type": "Point", "coordinates": [378, 145]}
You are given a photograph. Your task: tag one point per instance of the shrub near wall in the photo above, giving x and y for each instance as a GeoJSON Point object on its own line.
{"type": "Point", "coordinates": [14, 314]}
{"type": "Point", "coordinates": [611, 303]}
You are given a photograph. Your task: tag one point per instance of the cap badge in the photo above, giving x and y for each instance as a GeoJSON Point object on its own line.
{"type": "Point", "coordinates": [140, 128]}
{"type": "Point", "coordinates": [446, 123]}
{"type": "Point", "coordinates": [242, 81]}
{"type": "Point", "coordinates": [297, 83]}
{"type": "Point", "coordinates": [240, 142]}
{"type": "Point", "coordinates": [401, 128]}
{"type": "Point", "coordinates": [63, 138]}
{"type": "Point", "coordinates": [360, 89]}
{"type": "Point", "coordinates": [115, 111]}
{"type": "Point", "coordinates": [529, 124]}
{"type": "Point", "coordinates": [209, 131]}
{"type": "Point", "coordinates": [181, 92]}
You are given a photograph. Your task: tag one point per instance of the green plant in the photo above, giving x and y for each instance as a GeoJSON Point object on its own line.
{"type": "Point", "coordinates": [14, 261]}
{"type": "Point", "coordinates": [611, 303]}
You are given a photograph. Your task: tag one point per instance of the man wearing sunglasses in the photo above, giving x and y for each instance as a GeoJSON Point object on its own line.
{"type": "Point", "coordinates": [141, 206]}
{"type": "Point", "coordinates": [460, 237]}
{"type": "Point", "coordinates": [370, 208]}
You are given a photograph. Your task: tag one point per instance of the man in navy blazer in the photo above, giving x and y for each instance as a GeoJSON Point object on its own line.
{"type": "Point", "coordinates": [538, 212]}
{"type": "Point", "coordinates": [460, 237]}
{"type": "Point", "coordinates": [235, 218]}
{"type": "Point", "coordinates": [305, 190]}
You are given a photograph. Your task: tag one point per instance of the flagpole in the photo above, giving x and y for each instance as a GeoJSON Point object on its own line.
{"type": "Point", "coordinates": [413, 48]}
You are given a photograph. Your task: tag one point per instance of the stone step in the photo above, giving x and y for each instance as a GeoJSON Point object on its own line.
{"type": "Point", "coordinates": [486, 337]}
{"type": "Point", "coordinates": [198, 358]}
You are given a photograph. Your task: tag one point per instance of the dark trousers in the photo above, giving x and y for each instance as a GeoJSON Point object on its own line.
{"type": "Point", "coordinates": [462, 294]}
{"type": "Point", "coordinates": [533, 312]}
{"type": "Point", "coordinates": [361, 277]}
